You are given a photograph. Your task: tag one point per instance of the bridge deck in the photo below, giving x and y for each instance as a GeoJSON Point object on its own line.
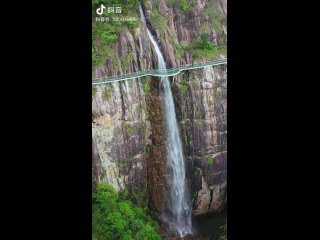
{"type": "Point", "coordinates": [157, 73]}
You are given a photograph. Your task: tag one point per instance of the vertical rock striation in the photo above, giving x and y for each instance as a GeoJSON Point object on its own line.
{"type": "Point", "coordinates": [202, 99]}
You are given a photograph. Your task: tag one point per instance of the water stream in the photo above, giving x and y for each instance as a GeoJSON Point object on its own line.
{"type": "Point", "coordinates": [180, 206]}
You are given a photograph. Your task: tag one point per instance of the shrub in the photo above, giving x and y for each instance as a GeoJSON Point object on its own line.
{"type": "Point", "coordinates": [115, 218]}
{"type": "Point", "coordinates": [185, 5]}
{"type": "Point", "coordinates": [184, 86]}
{"type": "Point", "coordinates": [145, 84]}
{"type": "Point", "coordinates": [210, 160]}
{"type": "Point", "coordinates": [109, 37]}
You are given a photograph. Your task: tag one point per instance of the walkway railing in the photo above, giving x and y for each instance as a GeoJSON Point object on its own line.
{"type": "Point", "coordinates": [157, 73]}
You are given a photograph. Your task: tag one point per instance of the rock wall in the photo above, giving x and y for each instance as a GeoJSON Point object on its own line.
{"type": "Point", "coordinates": [120, 132]}
{"type": "Point", "coordinates": [201, 100]}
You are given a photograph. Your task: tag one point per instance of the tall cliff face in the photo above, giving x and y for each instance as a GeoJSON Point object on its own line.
{"type": "Point", "coordinates": [127, 124]}
{"type": "Point", "coordinates": [201, 100]}
{"type": "Point", "coordinates": [120, 131]}
{"type": "Point", "coordinates": [128, 138]}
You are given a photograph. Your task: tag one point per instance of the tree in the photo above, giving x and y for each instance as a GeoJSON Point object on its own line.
{"type": "Point", "coordinates": [115, 218]}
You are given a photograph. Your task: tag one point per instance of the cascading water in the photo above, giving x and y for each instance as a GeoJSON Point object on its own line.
{"type": "Point", "coordinates": [181, 209]}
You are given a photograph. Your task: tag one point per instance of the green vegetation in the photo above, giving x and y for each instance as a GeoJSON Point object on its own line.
{"type": "Point", "coordinates": [200, 47]}
{"type": "Point", "coordinates": [184, 5]}
{"type": "Point", "coordinates": [217, 19]}
{"type": "Point", "coordinates": [222, 41]}
{"type": "Point", "coordinates": [126, 59]}
{"type": "Point", "coordinates": [216, 16]}
{"type": "Point", "coordinates": [107, 94]}
{"type": "Point", "coordinates": [184, 86]}
{"type": "Point", "coordinates": [140, 199]}
{"type": "Point", "coordinates": [103, 36]}
{"type": "Point", "coordinates": [107, 91]}
{"type": "Point", "coordinates": [223, 236]}
{"type": "Point", "coordinates": [205, 43]}
{"type": "Point", "coordinates": [181, 49]}
{"type": "Point", "coordinates": [158, 21]}
{"type": "Point", "coordinates": [151, 113]}
{"type": "Point", "coordinates": [203, 47]}
{"type": "Point", "coordinates": [210, 160]}
{"type": "Point", "coordinates": [103, 174]}
{"type": "Point", "coordinates": [145, 84]}
{"type": "Point", "coordinates": [143, 129]}
{"type": "Point", "coordinates": [115, 218]}
{"type": "Point", "coordinates": [186, 139]}
{"type": "Point", "coordinates": [129, 128]}
{"type": "Point", "coordinates": [106, 33]}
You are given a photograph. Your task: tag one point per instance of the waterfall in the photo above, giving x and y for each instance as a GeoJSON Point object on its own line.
{"type": "Point", "coordinates": [181, 209]}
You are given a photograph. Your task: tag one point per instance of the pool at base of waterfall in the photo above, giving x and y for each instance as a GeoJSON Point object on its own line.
{"type": "Point", "coordinates": [206, 227]}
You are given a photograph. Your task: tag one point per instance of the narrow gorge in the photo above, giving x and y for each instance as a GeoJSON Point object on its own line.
{"type": "Point", "coordinates": [161, 143]}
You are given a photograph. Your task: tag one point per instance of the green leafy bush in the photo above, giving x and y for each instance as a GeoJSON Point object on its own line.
{"type": "Point", "coordinates": [114, 218]}
{"type": "Point", "coordinates": [184, 5]}
{"type": "Point", "coordinates": [145, 84]}
{"type": "Point", "coordinates": [210, 160]}
{"type": "Point", "coordinates": [205, 42]}
{"type": "Point", "coordinates": [203, 47]}
{"type": "Point", "coordinates": [184, 85]}
{"type": "Point", "coordinates": [109, 37]}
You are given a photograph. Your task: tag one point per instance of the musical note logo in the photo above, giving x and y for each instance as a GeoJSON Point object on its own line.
{"type": "Point", "coordinates": [99, 10]}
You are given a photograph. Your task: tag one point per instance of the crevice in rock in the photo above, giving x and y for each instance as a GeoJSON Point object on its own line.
{"type": "Point", "coordinates": [138, 60]}
{"type": "Point", "coordinates": [122, 102]}
{"type": "Point", "coordinates": [211, 196]}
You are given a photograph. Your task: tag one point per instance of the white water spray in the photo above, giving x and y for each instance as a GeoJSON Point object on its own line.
{"type": "Point", "coordinates": [180, 207]}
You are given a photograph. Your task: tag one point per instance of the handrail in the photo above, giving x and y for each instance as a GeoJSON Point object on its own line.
{"type": "Point", "coordinates": [157, 72]}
